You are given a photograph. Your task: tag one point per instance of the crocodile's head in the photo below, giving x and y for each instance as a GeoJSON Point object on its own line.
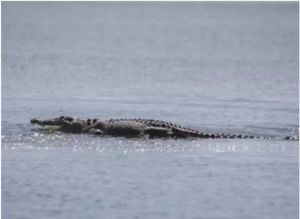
{"type": "Point", "coordinates": [58, 121]}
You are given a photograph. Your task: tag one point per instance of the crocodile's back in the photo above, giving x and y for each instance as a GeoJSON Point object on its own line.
{"type": "Point", "coordinates": [178, 131]}
{"type": "Point", "coordinates": [124, 128]}
{"type": "Point", "coordinates": [147, 122]}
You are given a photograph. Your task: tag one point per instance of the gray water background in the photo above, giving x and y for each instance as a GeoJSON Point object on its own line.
{"type": "Point", "coordinates": [229, 67]}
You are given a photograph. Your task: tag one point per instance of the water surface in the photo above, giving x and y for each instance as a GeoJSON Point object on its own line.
{"type": "Point", "coordinates": [220, 67]}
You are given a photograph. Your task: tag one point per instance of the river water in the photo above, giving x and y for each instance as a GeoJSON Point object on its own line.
{"type": "Point", "coordinates": [219, 67]}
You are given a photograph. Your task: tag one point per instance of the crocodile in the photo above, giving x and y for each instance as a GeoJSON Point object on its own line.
{"type": "Point", "coordinates": [128, 128]}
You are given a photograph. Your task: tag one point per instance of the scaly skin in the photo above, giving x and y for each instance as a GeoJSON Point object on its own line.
{"type": "Point", "coordinates": [129, 128]}
{"type": "Point", "coordinates": [178, 131]}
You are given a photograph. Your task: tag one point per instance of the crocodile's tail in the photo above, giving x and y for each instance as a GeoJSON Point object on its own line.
{"type": "Point", "coordinates": [179, 132]}
{"type": "Point", "coordinates": [186, 132]}
{"type": "Point", "coordinates": [222, 135]}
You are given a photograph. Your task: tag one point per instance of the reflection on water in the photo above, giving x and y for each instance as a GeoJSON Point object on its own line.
{"type": "Point", "coordinates": [77, 143]}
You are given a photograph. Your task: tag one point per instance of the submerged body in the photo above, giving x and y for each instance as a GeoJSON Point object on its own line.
{"type": "Point", "coordinates": [128, 128]}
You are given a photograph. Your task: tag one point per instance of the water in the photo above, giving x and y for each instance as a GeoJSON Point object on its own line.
{"type": "Point", "coordinates": [230, 67]}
